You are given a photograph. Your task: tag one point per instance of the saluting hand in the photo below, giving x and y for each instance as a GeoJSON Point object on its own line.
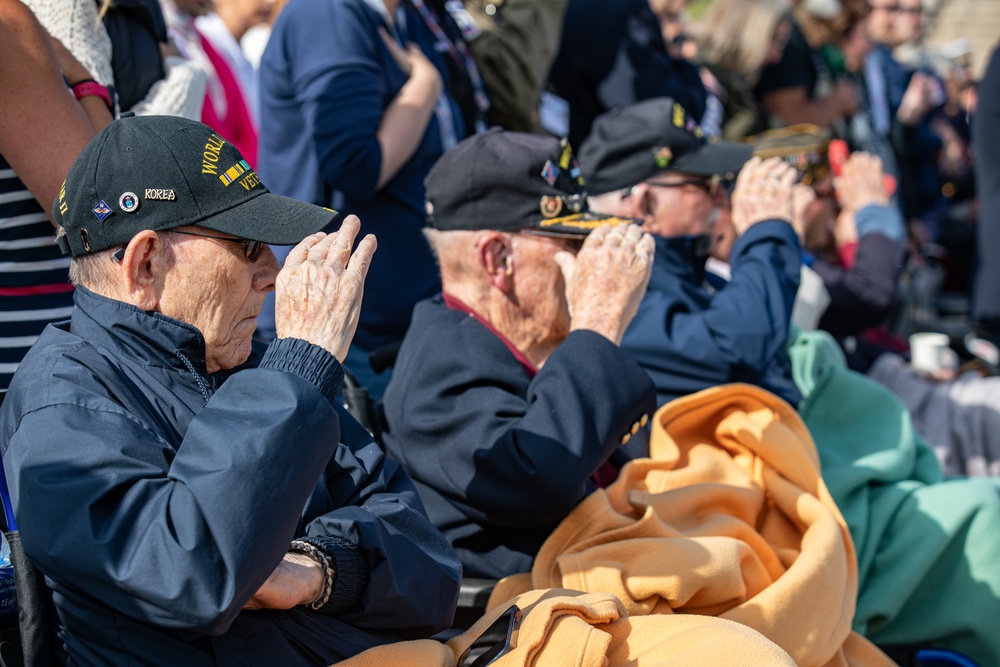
{"type": "Point", "coordinates": [607, 279]}
{"type": "Point", "coordinates": [318, 293]}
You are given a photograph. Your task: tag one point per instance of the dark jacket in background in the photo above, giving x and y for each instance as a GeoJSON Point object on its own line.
{"type": "Point", "coordinates": [136, 28]}
{"type": "Point", "coordinates": [689, 339]}
{"type": "Point", "coordinates": [326, 79]}
{"type": "Point", "coordinates": [500, 458]}
{"type": "Point", "coordinates": [612, 55]}
{"type": "Point", "coordinates": [157, 498]}
{"type": "Point", "coordinates": [864, 295]}
{"type": "Point", "coordinates": [986, 146]}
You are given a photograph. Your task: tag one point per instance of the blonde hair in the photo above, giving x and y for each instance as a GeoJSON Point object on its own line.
{"type": "Point", "coordinates": [737, 34]}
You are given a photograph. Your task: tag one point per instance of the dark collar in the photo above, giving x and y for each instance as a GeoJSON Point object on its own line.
{"type": "Point", "coordinates": [148, 338]}
{"type": "Point", "coordinates": [683, 256]}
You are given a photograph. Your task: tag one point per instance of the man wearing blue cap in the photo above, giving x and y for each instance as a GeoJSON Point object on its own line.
{"type": "Point", "coordinates": [649, 161]}
{"type": "Point", "coordinates": [189, 500]}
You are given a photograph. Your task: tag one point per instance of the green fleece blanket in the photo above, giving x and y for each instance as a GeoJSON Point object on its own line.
{"type": "Point", "coordinates": [928, 548]}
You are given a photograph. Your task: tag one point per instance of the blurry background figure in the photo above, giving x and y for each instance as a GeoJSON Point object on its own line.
{"type": "Point", "coordinates": [736, 40]}
{"type": "Point", "coordinates": [224, 29]}
{"type": "Point", "coordinates": [986, 144]}
{"type": "Point", "coordinates": [613, 54]}
{"type": "Point", "coordinates": [800, 88]}
{"type": "Point", "coordinates": [124, 43]}
{"type": "Point", "coordinates": [255, 39]}
{"type": "Point", "coordinates": [226, 109]}
{"type": "Point", "coordinates": [514, 43]}
{"type": "Point", "coordinates": [43, 130]}
{"type": "Point", "coordinates": [359, 99]}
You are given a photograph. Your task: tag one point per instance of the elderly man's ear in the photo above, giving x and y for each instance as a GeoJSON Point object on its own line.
{"type": "Point", "coordinates": [142, 270]}
{"type": "Point", "coordinates": [496, 257]}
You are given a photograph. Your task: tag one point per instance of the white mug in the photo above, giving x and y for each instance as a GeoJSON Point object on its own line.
{"type": "Point", "coordinates": [931, 353]}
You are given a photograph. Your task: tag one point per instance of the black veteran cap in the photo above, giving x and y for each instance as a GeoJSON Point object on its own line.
{"type": "Point", "coordinates": [631, 144]}
{"type": "Point", "coordinates": [161, 172]}
{"type": "Point", "coordinates": [507, 181]}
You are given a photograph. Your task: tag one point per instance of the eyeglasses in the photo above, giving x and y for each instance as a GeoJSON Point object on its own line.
{"type": "Point", "coordinates": [899, 9]}
{"type": "Point", "coordinates": [574, 241]}
{"type": "Point", "coordinates": [709, 186]}
{"type": "Point", "coordinates": [251, 249]}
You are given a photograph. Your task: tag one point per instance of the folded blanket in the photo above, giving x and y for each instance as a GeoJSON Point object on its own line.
{"type": "Point", "coordinates": [728, 518]}
{"type": "Point", "coordinates": [928, 548]}
{"type": "Point", "coordinates": [562, 628]}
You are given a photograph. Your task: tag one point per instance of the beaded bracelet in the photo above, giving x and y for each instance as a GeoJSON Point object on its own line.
{"type": "Point", "coordinates": [321, 557]}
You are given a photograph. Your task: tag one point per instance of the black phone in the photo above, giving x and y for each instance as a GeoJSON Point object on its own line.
{"type": "Point", "coordinates": [496, 640]}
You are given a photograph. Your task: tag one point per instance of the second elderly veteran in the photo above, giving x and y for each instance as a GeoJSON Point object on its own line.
{"type": "Point", "coordinates": [189, 501]}
{"type": "Point", "coordinates": [649, 161]}
{"type": "Point", "coordinates": [510, 391]}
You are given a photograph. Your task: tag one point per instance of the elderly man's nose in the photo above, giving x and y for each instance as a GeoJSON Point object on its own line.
{"type": "Point", "coordinates": [267, 268]}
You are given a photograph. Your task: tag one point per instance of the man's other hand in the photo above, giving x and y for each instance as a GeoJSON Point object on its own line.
{"type": "Point", "coordinates": [861, 183]}
{"type": "Point", "coordinates": [607, 279]}
{"type": "Point", "coordinates": [298, 579]}
{"type": "Point", "coordinates": [318, 293]}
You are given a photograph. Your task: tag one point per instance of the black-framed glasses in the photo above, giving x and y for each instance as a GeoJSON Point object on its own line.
{"type": "Point", "coordinates": [251, 249]}
{"type": "Point", "coordinates": [574, 241]}
{"type": "Point", "coordinates": [709, 186]}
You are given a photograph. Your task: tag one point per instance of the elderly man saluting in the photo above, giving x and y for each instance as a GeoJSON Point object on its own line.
{"type": "Point", "coordinates": [510, 391]}
{"type": "Point", "coordinates": [189, 501]}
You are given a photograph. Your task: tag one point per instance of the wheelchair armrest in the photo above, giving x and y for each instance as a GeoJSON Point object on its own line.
{"type": "Point", "coordinates": [472, 599]}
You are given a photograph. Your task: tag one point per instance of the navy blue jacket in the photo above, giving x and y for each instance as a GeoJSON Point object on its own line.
{"type": "Point", "coordinates": [326, 79]}
{"type": "Point", "coordinates": [157, 498]}
{"type": "Point", "coordinates": [611, 55]}
{"type": "Point", "coordinates": [500, 458]}
{"type": "Point", "coordinates": [689, 339]}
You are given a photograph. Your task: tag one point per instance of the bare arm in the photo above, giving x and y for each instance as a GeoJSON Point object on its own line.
{"type": "Point", "coordinates": [406, 118]}
{"type": "Point", "coordinates": [793, 105]}
{"type": "Point", "coordinates": [43, 128]}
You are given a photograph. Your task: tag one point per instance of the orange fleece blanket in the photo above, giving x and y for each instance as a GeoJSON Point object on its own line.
{"type": "Point", "coordinates": [728, 518]}
{"type": "Point", "coordinates": [571, 629]}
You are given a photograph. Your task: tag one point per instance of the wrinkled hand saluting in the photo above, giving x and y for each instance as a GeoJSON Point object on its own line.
{"type": "Point", "coordinates": [763, 192]}
{"type": "Point", "coordinates": [607, 279]}
{"type": "Point", "coordinates": [318, 292]}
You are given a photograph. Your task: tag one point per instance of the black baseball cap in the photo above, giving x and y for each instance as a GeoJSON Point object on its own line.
{"type": "Point", "coordinates": [631, 144]}
{"type": "Point", "coordinates": [161, 172]}
{"type": "Point", "coordinates": [510, 180]}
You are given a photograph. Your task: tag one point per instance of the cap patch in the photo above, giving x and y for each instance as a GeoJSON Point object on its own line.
{"type": "Point", "coordinates": [102, 211]}
{"type": "Point", "coordinates": [550, 173]}
{"type": "Point", "coordinates": [159, 194]}
{"type": "Point", "coordinates": [663, 155]}
{"type": "Point", "coordinates": [551, 206]}
{"type": "Point", "coordinates": [233, 173]}
{"type": "Point", "coordinates": [129, 202]}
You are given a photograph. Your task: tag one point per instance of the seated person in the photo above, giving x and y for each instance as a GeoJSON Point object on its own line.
{"type": "Point", "coordinates": [188, 500]}
{"type": "Point", "coordinates": [649, 162]}
{"type": "Point", "coordinates": [510, 391]}
{"type": "Point", "coordinates": [912, 529]}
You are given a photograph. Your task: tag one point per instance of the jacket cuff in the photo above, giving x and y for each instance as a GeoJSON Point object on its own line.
{"type": "Point", "coordinates": [884, 220]}
{"type": "Point", "coordinates": [351, 573]}
{"type": "Point", "coordinates": [310, 362]}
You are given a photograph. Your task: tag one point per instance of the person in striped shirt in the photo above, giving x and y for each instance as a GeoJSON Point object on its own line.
{"type": "Point", "coordinates": [43, 131]}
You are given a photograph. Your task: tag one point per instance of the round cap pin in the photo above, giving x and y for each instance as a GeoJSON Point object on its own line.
{"type": "Point", "coordinates": [129, 202]}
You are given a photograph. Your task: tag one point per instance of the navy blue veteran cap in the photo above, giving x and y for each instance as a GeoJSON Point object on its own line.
{"type": "Point", "coordinates": [161, 172]}
{"type": "Point", "coordinates": [508, 181]}
{"type": "Point", "coordinates": [631, 144]}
